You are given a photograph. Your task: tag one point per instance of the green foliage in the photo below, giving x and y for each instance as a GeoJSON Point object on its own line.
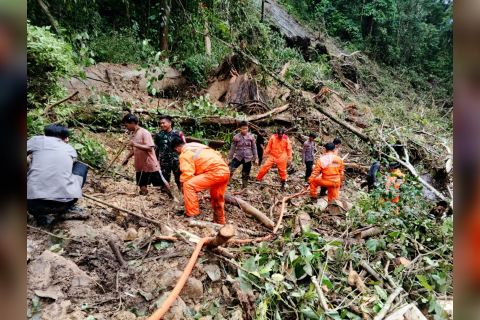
{"type": "Point", "coordinates": [413, 34]}
{"type": "Point", "coordinates": [280, 271]}
{"type": "Point", "coordinates": [124, 46]}
{"type": "Point", "coordinates": [308, 75]}
{"type": "Point", "coordinates": [197, 67]}
{"type": "Point", "coordinates": [202, 107]}
{"type": "Point", "coordinates": [89, 150]}
{"type": "Point", "coordinates": [49, 59]}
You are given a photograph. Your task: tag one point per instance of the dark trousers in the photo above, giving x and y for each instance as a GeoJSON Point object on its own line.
{"type": "Point", "coordinates": [168, 169]}
{"type": "Point", "coordinates": [308, 169]}
{"type": "Point", "coordinates": [146, 178]}
{"type": "Point", "coordinates": [246, 167]}
{"type": "Point", "coordinates": [260, 155]}
{"type": "Point", "coordinates": [47, 211]}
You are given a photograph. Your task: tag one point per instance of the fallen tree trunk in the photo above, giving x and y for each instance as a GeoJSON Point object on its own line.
{"type": "Point", "coordinates": [215, 144]}
{"type": "Point", "coordinates": [317, 106]}
{"type": "Point", "coordinates": [250, 210]}
{"type": "Point", "coordinates": [267, 114]}
{"type": "Point", "coordinates": [196, 223]}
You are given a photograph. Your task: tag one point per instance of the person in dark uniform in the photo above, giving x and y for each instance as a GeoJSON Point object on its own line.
{"type": "Point", "coordinates": [166, 156]}
{"type": "Point", "coordinates": [260, 142]}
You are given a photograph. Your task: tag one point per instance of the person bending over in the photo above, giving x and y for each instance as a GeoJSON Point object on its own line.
{"type": "Point", "coordinates": [55, 178]}
{"type": "Point", "coordinates": [202, 169]}
{"type": "Point", "coordinates": [328, 172]}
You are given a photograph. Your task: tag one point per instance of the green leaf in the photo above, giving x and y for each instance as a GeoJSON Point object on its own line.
{"type": "Point", "coordinates": [381, 292]}
{"type": "Point", "coordinates": [424, 282]}
{"type": "Point", "coordinates": [308, 269]}
{"type": "Point", "coordinates": [309, 313]}
{"type": "Point", "coordinates": [372, 245]}
{"type": "Point", "coordinates": [268, 267]}
{"type": "Point", "coordinates": [162, 245]}
{"type": "Point", "coordinates": [292, 256]}
{"type": "Point", "coordinates": [327, 282]}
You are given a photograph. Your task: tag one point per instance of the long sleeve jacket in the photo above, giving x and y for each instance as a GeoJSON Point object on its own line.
{"type": "Point", "coordinates": [243, 148]}
{"type": "Point", "coordinates": [279, 148]}
{"type": "Point", "coordinates": [197, 158]}
{"type": "Point", "coordinates": [330, 166]}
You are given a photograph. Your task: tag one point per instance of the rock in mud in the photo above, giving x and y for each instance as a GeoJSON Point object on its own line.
{"type": "Point", "coordinates": [177, 311]}
{"type": "Point", "coordinates": [124, 315]}
{"type": "Point", "coordinates": [213, 272]}
{"type": "Point", "coordinates": [193, 289]}
{"type": "Point", "coordinates": [61, 311]}
{"type": "Point", "coordinates": [52, 269]}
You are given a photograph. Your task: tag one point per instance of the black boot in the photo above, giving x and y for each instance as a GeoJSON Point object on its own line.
{"type": "Point", "coordinates": [282, 187]}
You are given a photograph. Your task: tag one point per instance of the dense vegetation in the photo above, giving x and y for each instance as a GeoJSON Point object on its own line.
{"type": "Point", "coordinates": [405, 72]}
{"type": "Point", "coordinates": [411, 34]}
{"type": "Point", "coordinates": [415, 37]}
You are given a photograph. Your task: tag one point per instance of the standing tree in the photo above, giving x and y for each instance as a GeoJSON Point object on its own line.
{"type": "Point", "coordinates": [165, 8]}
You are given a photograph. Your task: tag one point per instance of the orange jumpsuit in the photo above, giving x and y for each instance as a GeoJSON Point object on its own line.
{"type": "Point", "coordinates": [328, 172]}
{"type": "Point", "coordinates": [396, 178]}
{"type": "Point", "coordinates": [279, 152]}
{"type": "Point", "coordinates": [203, 168]}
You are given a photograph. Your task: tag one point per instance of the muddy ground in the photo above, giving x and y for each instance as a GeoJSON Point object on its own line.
{"type": "Point", "coordinates": [75, 274]}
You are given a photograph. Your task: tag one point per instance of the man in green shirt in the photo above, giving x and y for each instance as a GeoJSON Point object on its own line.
{"type": "Point", "coordinates": [167, 157]}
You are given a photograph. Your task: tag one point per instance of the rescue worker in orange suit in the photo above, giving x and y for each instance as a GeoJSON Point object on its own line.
{"type": "Point", "coordinates": [202, 168]}
{"type": "Point", "coordinates": [395, 178]}
{"type": "Point", "coordinates": [328, 172]}
{"type": "Point", "coordinates": [279, 152]}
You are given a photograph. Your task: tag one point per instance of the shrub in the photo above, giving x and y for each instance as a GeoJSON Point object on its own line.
{"type": "Point", "coordinates": [89, 150]}
{"type": "Point", "coordinates": [120, 47]}
{"type": "Point", "coordinates": [48, 60]}
{"type": "Point", "coordinates": [308, 75]}
{"type": "Point", "coordinates": [197, 67]}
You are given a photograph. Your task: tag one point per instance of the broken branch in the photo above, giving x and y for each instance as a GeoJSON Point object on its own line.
{"type": "Point", "coordinates": [117, 253]}
{"type": "Point", "coordinates": [250, 210]}
{"type": "Point", "coordinates": [123, 210]}
{"type": "Point", "coordinates": [388, 304]}
{"type": "Point", "coordinates": [49, 107]}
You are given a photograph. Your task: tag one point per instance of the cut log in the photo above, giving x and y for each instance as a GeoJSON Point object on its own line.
{"type": "Point", "coordinates": [224, 234]}
{"type": "Point", "coordinates": [369, 233]}
{"type": "Point", "coordinates": [250, 210]}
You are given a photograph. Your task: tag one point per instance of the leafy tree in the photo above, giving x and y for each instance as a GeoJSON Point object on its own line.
{"type": "Point", "coordinates": [49, 59]}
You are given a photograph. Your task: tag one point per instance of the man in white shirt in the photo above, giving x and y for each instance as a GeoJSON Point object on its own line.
{"type": "Point", "coordinates": [55, 178]}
